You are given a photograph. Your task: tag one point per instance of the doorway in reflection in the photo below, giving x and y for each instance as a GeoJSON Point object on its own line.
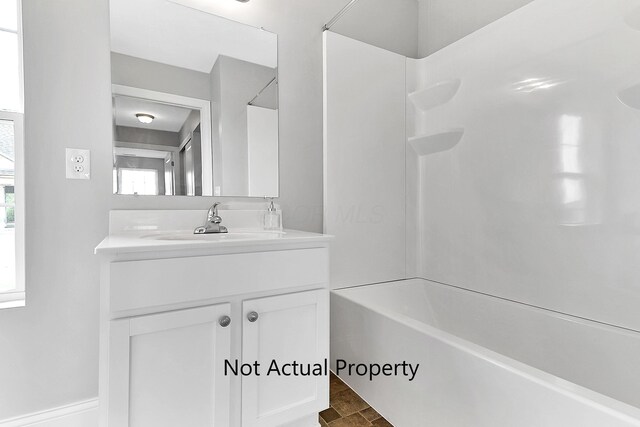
{"type": "Point", "coordinates": [157, 148]}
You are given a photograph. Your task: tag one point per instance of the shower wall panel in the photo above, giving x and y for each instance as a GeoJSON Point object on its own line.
{"type": "Point", "coordinates": [364, 156]}
{"type": "Point", "coordinates": [527, 137]}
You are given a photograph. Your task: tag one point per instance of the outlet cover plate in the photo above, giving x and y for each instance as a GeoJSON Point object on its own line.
{"type": "Point", "coordinates": [78, 163]}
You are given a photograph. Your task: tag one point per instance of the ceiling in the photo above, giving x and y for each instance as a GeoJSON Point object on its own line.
{"type": "Point", "coordinates": [168, 118]}
{"type": "Point", "coordinates": [169, 33]}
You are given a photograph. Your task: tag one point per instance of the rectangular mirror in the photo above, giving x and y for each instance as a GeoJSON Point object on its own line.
{"type": "Point", "coordinates": [195, 103]}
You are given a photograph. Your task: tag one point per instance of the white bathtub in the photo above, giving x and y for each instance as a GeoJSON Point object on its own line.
{"type": "Point", "coordinates": [484, 361]}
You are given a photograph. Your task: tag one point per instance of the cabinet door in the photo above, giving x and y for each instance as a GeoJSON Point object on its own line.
{"type": "Point", "coordinates": [167, 369]}
{"type": "Point", "coordinates": [288, 328]}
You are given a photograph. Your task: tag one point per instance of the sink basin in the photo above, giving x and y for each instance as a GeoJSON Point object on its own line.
{"type": "Point", "coordinates": [219, 237]}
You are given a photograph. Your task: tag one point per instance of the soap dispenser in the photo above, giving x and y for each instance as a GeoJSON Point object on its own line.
{"type": "Point", "coordinates": [272, 218]}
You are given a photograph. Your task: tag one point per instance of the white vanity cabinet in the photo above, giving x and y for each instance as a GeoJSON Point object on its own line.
{"type": "Point", "coordinates": [286, 329]}
{"type": "Point", "coordinates": [173, 313]}
{"type": "Point", "coordinates": [166, 369]}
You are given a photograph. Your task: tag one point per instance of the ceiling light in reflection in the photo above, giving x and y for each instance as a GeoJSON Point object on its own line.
{"type": "Point", "coordinates": [535, 84]}
{"type": "Point", "coordinates": [145, 118]}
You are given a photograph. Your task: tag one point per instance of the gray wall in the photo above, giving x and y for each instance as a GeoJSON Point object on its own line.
{"type": "Point", "coordinates": [389, 24]}
{"type": "Point", "coordinates": [443, 22]}
{"type": "Point", "coordinates": [189, 128]}
{"type": "Point", "coordinates": [131, 71]}
{"type": "Point", "coordinates": [240, 81]}
{"type": "Point", "coordinates": [147, 136]}
{"type": "Point", "coordinates": [49, 348]}
{"type": "Point", "coordinates": [190, 124]}
{"type": "Point", "coordinates": [49, 351]}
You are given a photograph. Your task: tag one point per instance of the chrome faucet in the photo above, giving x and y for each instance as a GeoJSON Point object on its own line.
{"type": "Point", "coordinates": [213, 222]}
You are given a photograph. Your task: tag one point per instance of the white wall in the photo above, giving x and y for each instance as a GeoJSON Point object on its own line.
{"type": "Point", "coordinates": [364, 180]}
{"type": "Point", "coordinates": [262, 148]}
{"type": "Point", "coordinates": [443, 22]}
{"type": "Point", "coordinates": [49, 351]}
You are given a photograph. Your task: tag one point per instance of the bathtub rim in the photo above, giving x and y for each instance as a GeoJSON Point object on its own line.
{"type": "Point", "coordinates": [616, 408]}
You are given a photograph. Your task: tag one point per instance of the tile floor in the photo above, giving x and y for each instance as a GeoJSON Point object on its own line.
{"type": "Point", "coordinates": [348, 409]}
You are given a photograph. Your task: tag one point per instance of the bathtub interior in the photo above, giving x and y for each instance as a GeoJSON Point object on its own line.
{"type": "Point", "coordinates": [599, 357]}
{"type": "Point", "coordinates": [459, 384]}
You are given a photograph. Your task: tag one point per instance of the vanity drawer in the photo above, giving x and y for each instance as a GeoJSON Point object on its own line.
{"type": "Point", "coordinates": [161, 282]}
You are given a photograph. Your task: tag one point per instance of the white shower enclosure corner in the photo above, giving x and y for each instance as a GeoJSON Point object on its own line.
{"type": "Point", "coordinates": [507, 165]}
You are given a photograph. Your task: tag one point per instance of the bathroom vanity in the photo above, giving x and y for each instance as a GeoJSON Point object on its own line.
{"type": "Point", "coordinates": [191, 323]}
{"type": "Point", "coordinates": [177, 308]}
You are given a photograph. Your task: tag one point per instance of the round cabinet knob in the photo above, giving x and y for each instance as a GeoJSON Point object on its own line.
{"type": "Point", "coordinates": [252, 317]}
{"type": "Point", "coordinates": [224, 321]}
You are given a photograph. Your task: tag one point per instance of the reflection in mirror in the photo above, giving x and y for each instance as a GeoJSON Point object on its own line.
{"type": "Point", "coordinates": [160, 136]}
{"type": "Point", "coordinates": [195, 103]}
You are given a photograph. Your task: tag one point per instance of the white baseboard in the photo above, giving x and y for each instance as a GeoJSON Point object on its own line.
{"type": "Point", "coordinates": [80, 414]}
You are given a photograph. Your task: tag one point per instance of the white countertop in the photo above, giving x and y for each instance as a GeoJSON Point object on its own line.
{"type": "Point", "coordinates": [179, 240]}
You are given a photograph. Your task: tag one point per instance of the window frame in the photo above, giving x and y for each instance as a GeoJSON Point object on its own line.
{"type": "Point", "coordinates": [156, 174]}
{"type": "Point", "coordinates": [17, 297]}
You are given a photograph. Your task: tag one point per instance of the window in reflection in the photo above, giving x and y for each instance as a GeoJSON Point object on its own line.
{"type": "Point", "coordinates": [572, 190]}
{"type": "Point", "coordinates": [143, 182]}
{"type": "Point", "coordinates": [571, 177]}
{"type": "Point", "coordinates": [570, 129]}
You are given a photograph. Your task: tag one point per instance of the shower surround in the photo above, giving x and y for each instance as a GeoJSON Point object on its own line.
{"type": "Point", "coordinates": [518, 151]}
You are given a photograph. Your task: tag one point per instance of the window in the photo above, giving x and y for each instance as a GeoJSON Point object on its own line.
{"type": "Point", "coordinates": [141, 182]}
{"type": "Point", "coordinates": [11, 149]}
{"type": "Point", "coordinates": [10, 68]}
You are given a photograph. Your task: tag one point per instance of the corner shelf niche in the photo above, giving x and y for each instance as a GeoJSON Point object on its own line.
{"type": "Point", "coordinates": [424, 145]}
{"type": "Point", "coordinates": [435, 95]}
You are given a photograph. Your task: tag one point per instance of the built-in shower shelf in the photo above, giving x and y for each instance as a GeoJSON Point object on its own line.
{"type": "Point", "coordinates": [424, 145]}
{"type": "Point", "coordinates": [435, 95]}
{"type": "Point", "coordinates": [631, 97]}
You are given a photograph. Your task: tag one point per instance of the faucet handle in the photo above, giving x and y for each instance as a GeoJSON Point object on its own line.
{"type": "Point", "coordinates": [212, 215]}
{"type": "Point", "coordinates": [213, 222]}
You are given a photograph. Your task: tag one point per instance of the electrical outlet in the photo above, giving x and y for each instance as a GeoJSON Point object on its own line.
{"type": "Point", "coordinates": [78, 163]}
